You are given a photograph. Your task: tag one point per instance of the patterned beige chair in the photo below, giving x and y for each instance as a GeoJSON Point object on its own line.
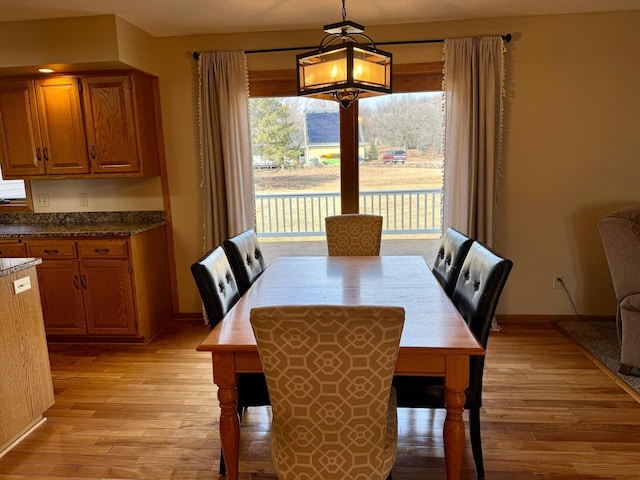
{"type": "Point", "coordinates": [353, 234]}
{"type": "Point", "coordinates": [329, 371]}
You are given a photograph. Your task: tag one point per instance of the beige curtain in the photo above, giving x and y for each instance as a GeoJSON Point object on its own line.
{"type": "Point", "coordinates": [474, 87]}
{"type": "Point", "coordinates": [225, 148]}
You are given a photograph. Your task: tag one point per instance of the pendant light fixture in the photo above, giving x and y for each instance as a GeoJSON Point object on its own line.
{"type": "Point", "coordinates": [343, 69]}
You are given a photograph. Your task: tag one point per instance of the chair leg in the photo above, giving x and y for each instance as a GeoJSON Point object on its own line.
{"type": "Point", "coordinates": [476, 442]}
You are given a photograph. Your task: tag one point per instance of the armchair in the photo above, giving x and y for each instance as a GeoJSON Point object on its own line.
{"type": "Point", "coordinates": [620, 235]}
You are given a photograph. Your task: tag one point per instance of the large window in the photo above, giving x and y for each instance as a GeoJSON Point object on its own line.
{"type": "Point", "coordinates": [313, 158]}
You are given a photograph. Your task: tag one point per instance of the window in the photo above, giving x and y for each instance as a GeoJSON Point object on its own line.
{"type": "Point", "coordinates": [15, 195]}
{"type": "Point", "coordinates": [332, 160]}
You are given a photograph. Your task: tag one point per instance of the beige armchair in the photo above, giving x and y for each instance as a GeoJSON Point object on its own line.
{"type": "Point", "coordinates": [620, 234]}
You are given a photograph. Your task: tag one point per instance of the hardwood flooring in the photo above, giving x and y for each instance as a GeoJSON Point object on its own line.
{"type": "Point", "coordinates": [150, 412]}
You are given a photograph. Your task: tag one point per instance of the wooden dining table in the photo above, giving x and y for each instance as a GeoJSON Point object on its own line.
{"type": "Point", "coordinates": [435, 341]}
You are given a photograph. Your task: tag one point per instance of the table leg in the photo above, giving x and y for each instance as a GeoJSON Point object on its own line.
{"type": "Point", "coordinates": [224, 377]}
{"type": "Point", "coordinates": [456, 381]}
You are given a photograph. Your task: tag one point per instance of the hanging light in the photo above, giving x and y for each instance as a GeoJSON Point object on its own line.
{"type": "Point", "coordinates": [347, 70]}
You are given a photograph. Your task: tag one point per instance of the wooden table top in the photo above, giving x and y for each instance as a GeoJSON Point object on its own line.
{"type": "Point", "coordinates": [431, 320]}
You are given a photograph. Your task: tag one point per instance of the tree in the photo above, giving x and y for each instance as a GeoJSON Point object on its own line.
{"type": "Point", "coordinates": [273, 131]}
{"type": "Point", "coordinates": [405, 121]}
{"type": "Point", "coordinates": [372, 152]}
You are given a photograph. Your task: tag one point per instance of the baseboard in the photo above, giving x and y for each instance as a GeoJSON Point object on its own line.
{"type": "Point", "coordinates": [510, 318]}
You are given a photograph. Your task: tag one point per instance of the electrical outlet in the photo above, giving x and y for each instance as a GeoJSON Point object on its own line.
{"type": "Point", "coordinates": [84, 200]}
{"type": "Point", "coordinates": [21, 285]}
{"type": "Point", "coordinates": [557, 281]}
{"type": "Point", "coordinates": [42, 200]}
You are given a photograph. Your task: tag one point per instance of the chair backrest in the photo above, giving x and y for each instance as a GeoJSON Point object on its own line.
{"type": "Point", "coordinates": [451, 254]}
{"type": "Point", "coordinates": [353, 234]}
{"type": "Point", "coordinates": [246, 258]}
{"type": "Point", "coordinates": [620, 235]}
{"type": "Point", "coordinates": [328, 371]}
{"type": "Point", "coordinates": [476, 295]}
{"type": "Point", "coordinates": [216, 284]}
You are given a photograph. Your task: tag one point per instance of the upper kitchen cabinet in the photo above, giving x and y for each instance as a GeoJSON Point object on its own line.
{"type": "Point", "coordinates": [79, 127]}
{"type": "Point", "coordinates": [41, 128]}
{"type": "Point", "coordinates": [120, 119]}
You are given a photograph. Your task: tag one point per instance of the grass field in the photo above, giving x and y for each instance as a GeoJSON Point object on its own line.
{"type": "Point", "coordinates": [415, 174]}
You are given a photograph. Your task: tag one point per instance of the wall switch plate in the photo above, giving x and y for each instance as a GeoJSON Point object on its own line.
{"type": "Point", "coordinates": [84, 199]}
{"type": "Point", "coordinates": [21, 285]}
{"type": "Point", "coordinates": [42, 199]}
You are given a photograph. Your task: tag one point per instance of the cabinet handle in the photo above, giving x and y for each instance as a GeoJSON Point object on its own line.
{"type": "Point", "coordinates": [54, 251]}
{"type": "Point", "coordinates": [45, 153]}
{"type": "Point", "coordinates": [38, 154]}
{"type": "Point", "coordinates": [102, 251]}
{"type": "Point", "coordinates": [75, 282]}
{"type": "Point", "coordinates": [93, 152]}
{"type": "Point", "coordinates": [83, 282]}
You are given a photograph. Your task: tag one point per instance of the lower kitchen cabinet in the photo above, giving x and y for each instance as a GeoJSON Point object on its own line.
{"type": "Point", "coordinates": [61, 296]}
{"type": "Point", "coordinates": [104, 288]}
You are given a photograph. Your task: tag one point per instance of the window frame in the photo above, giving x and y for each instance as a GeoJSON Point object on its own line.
{"type": "Point", "coordinates": [19, 206]}
{"type": "Point", "coordinates": [406, 78]}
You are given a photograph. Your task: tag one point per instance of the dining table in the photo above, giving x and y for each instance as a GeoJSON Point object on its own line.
{"type": "Point", "coordinates": [435, 342]}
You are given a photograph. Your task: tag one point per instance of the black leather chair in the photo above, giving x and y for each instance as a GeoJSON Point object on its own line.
{"type": "Point", "coordinates": [453, 250]}
{"type": "Point", "coordinates": [245, 257]}
{"type": "Point", "coordinates": [219, 293]}
{"type": "Point", "coordinates": [476, 294]}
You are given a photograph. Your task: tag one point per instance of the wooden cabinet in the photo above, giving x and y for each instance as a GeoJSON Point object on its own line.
{"type": "Point", "coordinates": [12, 249]}
{"type": "Point", "coordinates": [79, 127]}
{"type": "Point", "coordinates": [41, 128]}
{"type": "Point", "coordinates": [104, 287]}
{"type": "Point", "coordinates": [121, 124]}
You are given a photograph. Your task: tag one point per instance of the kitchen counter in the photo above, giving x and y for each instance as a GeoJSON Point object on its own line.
{"type": "Point", "coordinates": [92, 224]}
{"type": "Point", "coordinates": [12, 265]}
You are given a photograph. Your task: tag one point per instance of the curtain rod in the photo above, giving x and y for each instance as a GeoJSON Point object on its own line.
{"type": "Point", "coordinates": [196, 55]}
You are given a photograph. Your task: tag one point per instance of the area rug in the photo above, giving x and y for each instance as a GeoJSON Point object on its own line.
{"type": "Point", "coordinates": [601, 340]}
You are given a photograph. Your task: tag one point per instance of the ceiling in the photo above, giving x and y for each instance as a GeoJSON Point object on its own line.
{"type": "Point", "coordinates": [163, 18]}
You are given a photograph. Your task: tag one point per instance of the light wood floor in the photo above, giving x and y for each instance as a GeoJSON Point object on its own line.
{"type": "Point", "coordinates": [149, 412]}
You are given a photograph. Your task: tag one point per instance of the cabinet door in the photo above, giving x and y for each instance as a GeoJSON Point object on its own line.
{"type": "Point", "coordinates": [61, 295]}
{"type": "Point", "coordinates": [110, 124]}
{"type": "Point", "coordinates": [64, 146]}
{"type": "Point", "coordinates": [20, 144]}
{"type": "Point", "coordinates": [108, 297]}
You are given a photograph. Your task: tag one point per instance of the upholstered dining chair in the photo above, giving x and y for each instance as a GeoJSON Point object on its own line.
{"type": "Point", "coordinates": [451, 254]}
{"type": "Point", "coordinates": [246, 259]}
{"type": "Point", "coordinates": [477, 292]}
{"type": "Point", "coordinates": [329, 372]}
{"type": "Point", "coordinates": [353, 234]}
{"type": "Point", "coordinates": [219, 293]}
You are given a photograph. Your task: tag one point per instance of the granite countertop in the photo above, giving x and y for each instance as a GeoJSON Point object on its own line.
{"type": "Point", "coordinates": [93, 224]}
{"type": "Point", "coordinates": [11, 265]}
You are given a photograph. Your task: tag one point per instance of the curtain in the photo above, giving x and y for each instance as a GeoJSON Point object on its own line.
{"type": "Point", "coordinates": [225, 148]}
{"type": "Point", "coordinates": [474, 91]}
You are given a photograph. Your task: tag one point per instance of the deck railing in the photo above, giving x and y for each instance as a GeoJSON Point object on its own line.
{"type": "Point", "coordinates": [405, 212]}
